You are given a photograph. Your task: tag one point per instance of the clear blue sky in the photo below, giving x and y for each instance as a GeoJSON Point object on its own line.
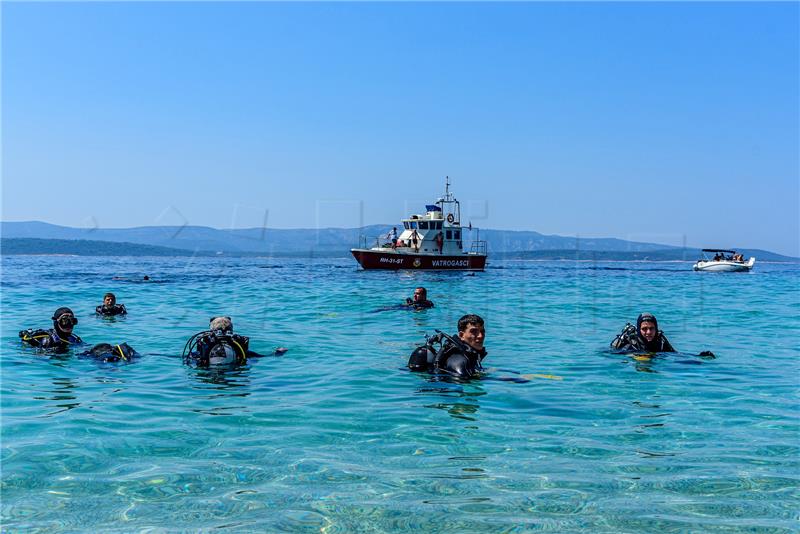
{"type": "Point", "coordinates": [644, 121]}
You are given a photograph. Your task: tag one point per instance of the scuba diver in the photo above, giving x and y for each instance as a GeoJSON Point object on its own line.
{"type": "Point", "coordinates": [645, 337]}
{"type": "Point", "coordinates": [420, 300]}
{"type": "Point", "coordinates": [220, 346]}
{"type": "Point", "coordinates": [106, 352]}
{"type": "Point", "coordinates": [58, 338]}
{"type": "Point", "coordinates": [460, 356]}
{"type": "Point", "coordinates": [110, 308]}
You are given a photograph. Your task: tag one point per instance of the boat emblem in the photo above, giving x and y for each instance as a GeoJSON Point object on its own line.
{"type": "Point", "coordinates": [450, 218]}
{"type": "Point", "coordinates": [417, 262]}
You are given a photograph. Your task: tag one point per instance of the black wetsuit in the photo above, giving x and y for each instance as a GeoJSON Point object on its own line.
{"type": "Point", "coordinates": [629, 340]}
{"type": "Point", "coordinates": [419, 304]}
{"type": "Point", "coordinates": [453, 357]}
{"type": "Point", "coordinates": [111, 353]}
{"type": "Point", "coordinates": [49, 339]}
{"type": "Point", "coordinates": [110, 311]}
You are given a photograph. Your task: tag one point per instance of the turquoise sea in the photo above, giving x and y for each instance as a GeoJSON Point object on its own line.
{"type": "Point", "coordinates": [337, 436]}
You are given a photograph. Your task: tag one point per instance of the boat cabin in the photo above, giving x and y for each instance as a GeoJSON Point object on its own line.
{"type": "Point", "coordinates": [434, 233]}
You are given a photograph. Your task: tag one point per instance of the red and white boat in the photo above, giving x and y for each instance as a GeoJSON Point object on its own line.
{"type": "Point", "coordinates": [430, 242]}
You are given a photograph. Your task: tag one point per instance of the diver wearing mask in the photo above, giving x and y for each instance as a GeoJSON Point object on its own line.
{"type": "Point", "coordinates": [60, 337]}
{"type": "Point", "coordinates": [218, 345]}
{"type": "Point", "coordinates": [110, 308]}
{"type": "Point", "coordinates": [645, 337]}
{"type": "Point", "coordinates": [460, 355]}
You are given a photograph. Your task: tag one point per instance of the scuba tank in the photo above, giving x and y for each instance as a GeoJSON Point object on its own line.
{"type": "Point", "coordinates": [424, 356]}
{"type": "Point", "coordinates": [216, 347]}
{"type": "Point", "coordinates": [111, 353]}
{"type": "Point", "coordinates": [433, 355]}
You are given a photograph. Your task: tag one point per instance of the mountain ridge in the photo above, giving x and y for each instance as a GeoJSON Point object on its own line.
{"type": "Point", "coordinates": [322, 241]}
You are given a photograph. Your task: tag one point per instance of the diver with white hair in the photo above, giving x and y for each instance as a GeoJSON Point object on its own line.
{"type": "Point", "coordinates": [219, 345]}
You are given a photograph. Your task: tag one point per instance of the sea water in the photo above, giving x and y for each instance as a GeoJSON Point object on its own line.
{"type": "Point", "coordinates": [338, 436]}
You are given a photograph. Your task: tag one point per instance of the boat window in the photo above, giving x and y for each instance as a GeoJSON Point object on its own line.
{"type": "Point", "coordinates": [457, 234]}
{"type": "Point", "coordinates": [448, 234]}
{"type": "Point", "coordinates": [405, 225]}
{"type": "Point", "coordinates": [438, 225]}
{"type": "Point", "coordinates": [413, 225]}
{"type": "Point", "coordinates": [423, 225]}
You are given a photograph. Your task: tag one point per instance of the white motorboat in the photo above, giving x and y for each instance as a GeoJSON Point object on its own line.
{"type": "Point", "coordinates": [723, 261]}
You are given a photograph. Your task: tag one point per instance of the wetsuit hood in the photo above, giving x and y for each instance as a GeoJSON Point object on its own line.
{"type": "Point", "coordinates": [645, 318]}
{"type": "Point", "coordinates": [652, 346]}
{"type": "Point", "coordinates": [61, 311]}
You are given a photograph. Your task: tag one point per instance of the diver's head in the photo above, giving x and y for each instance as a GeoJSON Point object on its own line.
{"type": "Point", "coordinates": [221, 324]}
{"type": "Point", "coordinates": [109, 299]}
{"type": "Point", "coordinates": [64, 320]}
{"type": "Point", "coordinates": [471, 331]}
{"type": "Point", "coordinates": [420, 294]}
{"type": "Point", "coordinates": [647, 326]}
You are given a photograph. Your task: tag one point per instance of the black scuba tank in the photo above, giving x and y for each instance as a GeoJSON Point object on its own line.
{"type": "Point", "coordinates": [422, 358]}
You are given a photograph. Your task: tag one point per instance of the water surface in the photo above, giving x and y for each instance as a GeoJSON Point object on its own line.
{"type": "Point", "coordinates": [337, 436]}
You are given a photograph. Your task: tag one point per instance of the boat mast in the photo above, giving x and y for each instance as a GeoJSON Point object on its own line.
{"type": "Point", "coordinates": [448, 198]}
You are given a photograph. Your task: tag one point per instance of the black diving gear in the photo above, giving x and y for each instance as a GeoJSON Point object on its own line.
{"type": "Point", "coordinates": [452, 356]}
{"type": "Point", "coordinates": [49, 339]}
{"type": "Point", "coordinates": [111, 353]}
{"type": "Point", "coordinates": [419, 304]}
{"type": "Point", "coordinates": [110, 311]}
{"type": "Point", "coordinates": [630, 340]}
{"type": "Point", "coordinates": [217, 347]}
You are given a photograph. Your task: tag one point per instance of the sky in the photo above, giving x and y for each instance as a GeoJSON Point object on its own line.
{"type": "Point", "coordinates": [672, 123]}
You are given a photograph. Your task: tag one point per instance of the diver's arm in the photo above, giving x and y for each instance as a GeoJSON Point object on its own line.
{"type": "Point", "coordinates": [621, 342]}
{"type": "Point", "coordinates": [278, 352]}
{"type": "Point", "coordinates": [623, 339]}
{"type": "Point", "coordinates": [36, 338]}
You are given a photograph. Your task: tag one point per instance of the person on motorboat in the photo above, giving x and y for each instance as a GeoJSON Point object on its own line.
{"type": "Point", "coordinates": [439, 239]}
{"type": "Point", "coordinates": [420, 300]}
{"type": "Point", "coordinates": [59, 338]}
{"type": "Point", "coordinates": [415, 240]}
{"type": "Point", "coordinates": [110, 308]}
{"type": "Point", "coordinates": [219, 345]}
{"type": "Point", "coordinates": [106, 352]}
{"type": "Point", "coordinates": [459, 355]}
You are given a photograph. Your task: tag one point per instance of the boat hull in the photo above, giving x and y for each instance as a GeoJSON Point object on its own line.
{"type": "Point", "coordinates": [724, 266]}
{"type": "Point", "coordinates": [394, 261]}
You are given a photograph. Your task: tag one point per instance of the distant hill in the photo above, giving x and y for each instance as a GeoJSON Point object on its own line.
{"type": "Point", "coordinates": [83, 247]}
{"type": "Point", "coordinates": [334, 242]}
